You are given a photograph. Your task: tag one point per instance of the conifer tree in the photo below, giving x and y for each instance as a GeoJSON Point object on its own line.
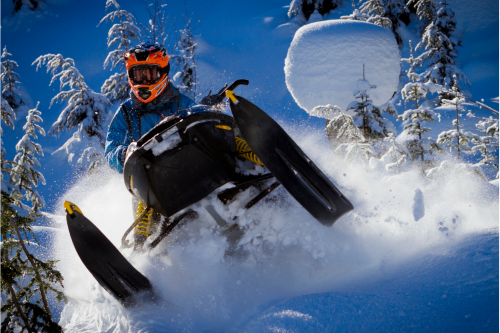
{"type": "Point", "coordinates": [377, 11]}
{"type": "Point", "coordinates": [414, 119]}
{"type": "Point", "coordinates": [185, 61]}
{"type": "Point", "coordinates": [397, 154]}
{"type": "Point", "coordinates": [487, 143]}
{"type": "Point", "coordinates": [26, 280]}
{"type": "Point", "coordinates": [155, 31]}
{"type": "Point", "coordinates": [385, 13]}
{"type": "Point", "coordinates": [346, 138]}
{"type": "Point", "coordinates": [30, 4]}
{"type": "Point", "coordinates": [10, 80]}
{"type": "Point", "coordinates": [395, 10]}
{"type": "Point", "coordinates": [306, 8]}
{"type": "Point", "coordinates": [426, 11]}
{"type": "Point", "coordinates": [85, 109]}
{"type": "Point", "coordinates": [23, 175]}
{"type": "Point", "coordinates": [440, 49]}
{"type": "Point", "coordinates": [356, 15]}
{"type": "Point", "coordinates": [456, 138]}
{"type": "Point", "coordinates": [125, 34]}
{"type": "Point", "coordinates": [367, 116]}
{"type": "Point", "coordinates": [8, 117]}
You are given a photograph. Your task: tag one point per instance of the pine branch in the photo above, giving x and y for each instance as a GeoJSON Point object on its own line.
{"type": "Point", "coordinates": [19, 309]}
{"type": "Point", "coordinates": [35, 268]}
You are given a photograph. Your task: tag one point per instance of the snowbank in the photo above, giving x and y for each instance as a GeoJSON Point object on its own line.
{"type": "Point", "coordinates": [325, 60]}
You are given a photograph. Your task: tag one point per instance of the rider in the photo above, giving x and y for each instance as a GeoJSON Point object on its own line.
{"type": "Point", "coordinates": [153, 97]}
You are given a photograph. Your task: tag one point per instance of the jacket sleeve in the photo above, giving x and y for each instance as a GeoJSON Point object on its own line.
{"type": "Point", "coordinates": [117, 141]}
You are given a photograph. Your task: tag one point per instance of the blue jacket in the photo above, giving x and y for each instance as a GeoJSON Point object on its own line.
{"type": "Point", "coordinates": [134, 118]}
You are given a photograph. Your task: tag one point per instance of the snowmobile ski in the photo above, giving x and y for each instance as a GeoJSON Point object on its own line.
{"type": "Point", "coordinates": [288, 163]}
{"type": "Point", "coordinates": [103, 260]}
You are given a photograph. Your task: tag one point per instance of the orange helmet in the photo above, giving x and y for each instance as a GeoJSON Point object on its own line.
{"type": "Point", "coordinates": [147, 67]}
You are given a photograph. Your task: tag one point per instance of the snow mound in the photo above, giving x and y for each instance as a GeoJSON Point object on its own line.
{"type": "Point", "coordinates": [325, 62]}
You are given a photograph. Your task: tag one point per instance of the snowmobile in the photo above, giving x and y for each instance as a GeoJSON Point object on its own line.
{"type": "Point", "coordinates": [189, 156]}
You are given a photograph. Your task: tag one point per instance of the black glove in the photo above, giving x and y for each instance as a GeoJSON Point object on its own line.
{"type": "Point", "coordinates": [214, 99]}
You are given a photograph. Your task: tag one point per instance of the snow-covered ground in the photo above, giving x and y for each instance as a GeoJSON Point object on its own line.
{"type": "Point", "coordinates": [400, 261]}
{"type": "Point", "coordinates": [416, 254]}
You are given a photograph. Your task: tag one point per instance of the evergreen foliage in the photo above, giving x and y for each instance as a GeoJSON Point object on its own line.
{"type": "Point", "coordinates": [155, 31]}
{"type": "Point", "coordinates": [9, 80]}
{"type": "Point", "coordinates": [425, 9]}
{"type": "Point", "coordinates": [123, 34]}
{"type": "Point", "coordinates": [348, 139]}
{"type": "Point", "coordinates": [385, 13]}
{"type": "Point", "coordinates": [25, 278]}
{"type": "Point", "coordinates": [184, 59]}
{"type": "Point", "coordinates": [487, 143]}
{"type": "Point", "coordinates": [308, 7]}
{"type": "Point", "coordinates": [356, 14]}
{"type": "Point", "coordinates": [30, 4]}
{"type": "Point", "coordinates": [8, 115]}
{"type": "Point", "coordinates": [462, 137]}
{"type": "Point", "coordinates": [397, 154]}
{"type": "Point", "coordinates": [414, 119]}
{"type": "Point", "coordinates": [440, 49]}
{"type": "Point", "coordinates": [395, 11]}
{"type": "Point", "coordinates": [377, 11]}
{"type": "Point", "coordinates": [367, 116]}
{"type": "Point", "coordinates": [24, 175]}
{"type": "Point", "coordinates": [85, 109]}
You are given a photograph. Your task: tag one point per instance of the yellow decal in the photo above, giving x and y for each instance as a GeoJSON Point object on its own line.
{"type": "Point", "coordinates": [131, 182]}
{"type": "Point", "coordinates": [224, 127]}
{"type": "Point", "coordinates": [70, 207]}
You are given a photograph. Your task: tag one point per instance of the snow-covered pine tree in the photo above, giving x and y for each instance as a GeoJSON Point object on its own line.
{"type": "Point", "coordinates": [440, 50]}
{"type": "Point", "coordinates": [397, 154]}
{"type": "Point", "coordinates": [185, 62]}
{"type": "Point", "coordinates": [30, 4]}
{"type": "Point", "coordinates": [308, 7]}
{"type": "Point", "coordinates": [385, 13]}
{"type": "Point", "coordinates": [396, 11]}
{"type": "Point", "coordinates": [123, 34]}
{"type": "Point", "coordinates": [377, 12]}
{"type": "Point", "coordinates": [8, 117]}
{"type": "Point", "coordinates": [426, 11]}
{"type": "Point", "coordinates": [367, 117]}
{"type": "Point", "coordinates": [455, 138]}
{"type": "Point", "coordinates": [85, 109]}
{"type": "Point", "coordinates": [9, 80]}
{"type": "Point", "coordinates": [356, 14]}
{"type": "Point", "coordinates": [24, 175]}
{"type": "Point", "coordinates": [414, 119]}
{"type": "Point", "coordinates": [346, 138]}
{"type": "Point", "coordinates": [487, 143]}
{"type": "Point", "coordinates": [26, 279]}
{"type": "Point", "coordinates": [155, 31]}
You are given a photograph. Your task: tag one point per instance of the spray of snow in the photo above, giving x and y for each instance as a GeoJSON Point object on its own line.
{"type": "Point", "coordinates": [325, 60]}
{"type": "Point", "coordinates": [285, 252]}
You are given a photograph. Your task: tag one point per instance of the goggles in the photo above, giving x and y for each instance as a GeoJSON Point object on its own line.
{"type": "Point", "coordinates": [145, 74]}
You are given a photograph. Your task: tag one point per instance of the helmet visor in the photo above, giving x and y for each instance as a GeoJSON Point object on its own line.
{"type": "Point", "coordinates": [145, 74]}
